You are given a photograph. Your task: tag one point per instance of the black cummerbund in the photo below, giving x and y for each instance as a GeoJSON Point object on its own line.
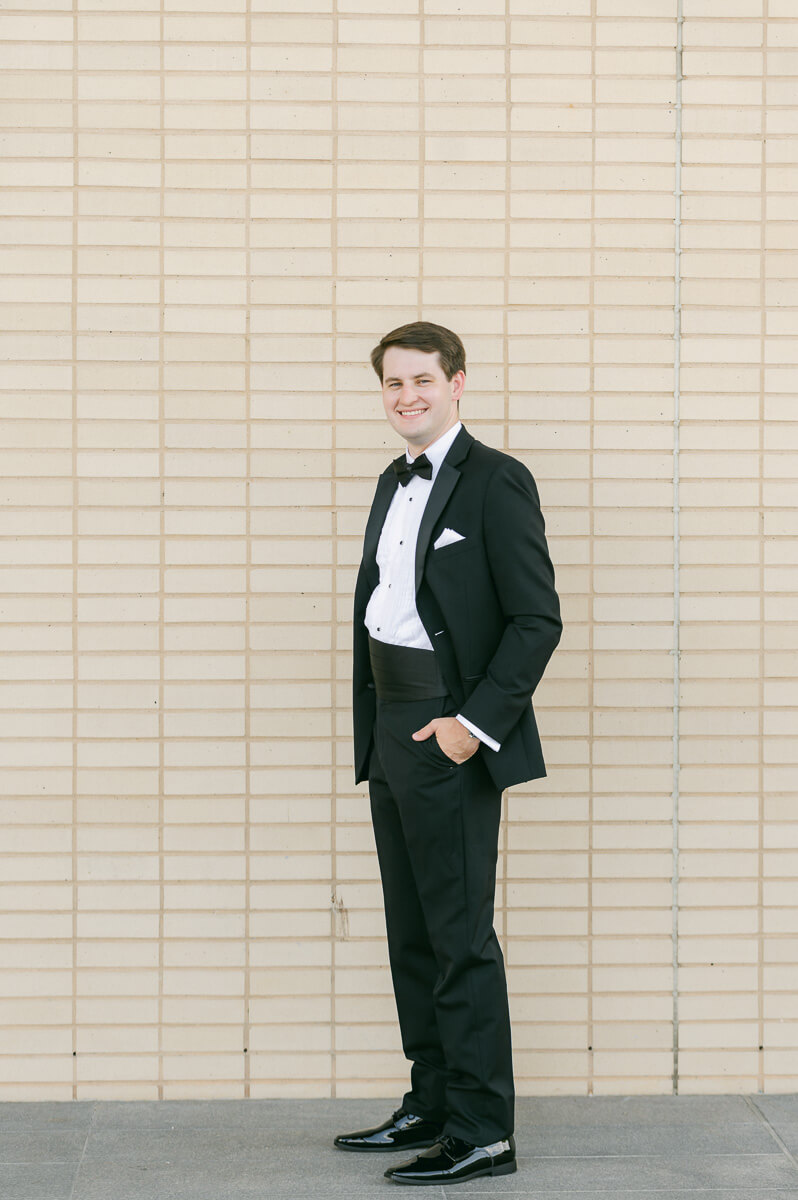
{"type": "Point", "coordinates": [405, 672]}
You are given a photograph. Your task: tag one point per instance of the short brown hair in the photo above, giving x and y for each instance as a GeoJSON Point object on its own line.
{"type": "Point", "coordinates": [423, 335]}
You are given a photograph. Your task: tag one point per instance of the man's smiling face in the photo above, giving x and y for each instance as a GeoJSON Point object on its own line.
{"type": "Point", "coordinates": [420, 402]}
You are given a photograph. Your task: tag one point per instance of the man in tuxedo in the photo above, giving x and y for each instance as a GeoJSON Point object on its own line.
{"type": "Point", "coordinates": [456, 617]}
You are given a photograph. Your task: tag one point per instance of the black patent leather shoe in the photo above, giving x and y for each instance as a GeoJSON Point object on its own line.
{"type": "Point", "coordinates": [452, 1160]}
{"type": "Point", "coordinates": [403, 1131]}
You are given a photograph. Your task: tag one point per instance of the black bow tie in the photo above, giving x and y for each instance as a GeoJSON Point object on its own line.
{"type": "Point", "coordinates": [405, 470]}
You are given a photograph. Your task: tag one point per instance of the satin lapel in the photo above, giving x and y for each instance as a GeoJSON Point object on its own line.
{"type": "Point", "coordinates": [442, 489]}
{"type": "Point", "coordinates": [386, 487]}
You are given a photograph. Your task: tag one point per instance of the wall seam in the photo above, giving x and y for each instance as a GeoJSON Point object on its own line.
{"type": "Point", "coordinates": [676, 649]}
{"type": "Point", "coordinates": [590, 1081]}
{"type": "Point", "coordinates": [338, 917]}
{"type": "Point", "coordinates": [74, 533]}
{"type": "Point", "coordinates": [161, 537]}
{"type": "Point", "coordinates": [763, 317]}
{"type": "Point", "coordinates": [422, 158]}
{"type": "Point", "coordinates": [247, 996]}
{"type": "Point", "coordinates": [502, 869]}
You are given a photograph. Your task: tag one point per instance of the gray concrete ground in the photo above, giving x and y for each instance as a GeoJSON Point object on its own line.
{"type": "Point", "coordinates": [585, 1148]}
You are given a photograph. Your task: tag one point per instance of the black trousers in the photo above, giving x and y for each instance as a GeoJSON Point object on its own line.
{"type": "Point", "coordinates": [436, 826]}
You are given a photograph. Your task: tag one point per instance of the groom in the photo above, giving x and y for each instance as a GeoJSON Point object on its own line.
{"type": "Point", "coordinates": [456, 617]}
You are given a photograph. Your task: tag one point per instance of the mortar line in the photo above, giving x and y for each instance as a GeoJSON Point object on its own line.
{"type": "Point", "coordinates": [338, 922]}
{"type": "Point", "coordinates": [505, 821]}
{"type": "Point", "coordinates": [422, 160]}
{"type": "Point", "coordinates": [676, 648]}
{"type": "Point", "coordinates": [760, 885]}
{"type": "Point", "coordinates": [591, 679]}
{"type": "Point", "coordinates": [245, 1030]}
{"type": "Point", "coordinates": [75, 530]}
{"type": "Point", "coordinates": [161, 539]}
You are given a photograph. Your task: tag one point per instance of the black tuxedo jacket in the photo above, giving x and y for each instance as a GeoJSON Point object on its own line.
{"type": "Point", "coordinates": [487, 602]}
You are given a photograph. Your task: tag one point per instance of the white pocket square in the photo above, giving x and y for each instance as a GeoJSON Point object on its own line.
{"type": "Point", "coordinates": [447, 537]}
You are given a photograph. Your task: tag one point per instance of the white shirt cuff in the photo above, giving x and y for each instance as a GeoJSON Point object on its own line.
{"type": "Point", "coordinates": [483, 737]}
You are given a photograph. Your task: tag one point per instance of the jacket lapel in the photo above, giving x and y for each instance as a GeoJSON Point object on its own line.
{"type": "Point", "coordinates": [386, 487]}
{"type": "Point", "coordinates": [445, 482]}
{"type": "Point", "coordinates": [442, 488]}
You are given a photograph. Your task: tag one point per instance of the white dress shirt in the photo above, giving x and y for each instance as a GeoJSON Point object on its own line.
{"type": "Point", "coordinates": [391, 614]}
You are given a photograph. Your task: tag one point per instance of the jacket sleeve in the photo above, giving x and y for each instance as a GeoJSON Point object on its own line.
{"type": "Point", "coordinates": [523, 576]}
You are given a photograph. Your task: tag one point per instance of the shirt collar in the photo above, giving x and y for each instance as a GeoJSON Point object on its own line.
{"type": "Point", "coordinates": [437, 452]}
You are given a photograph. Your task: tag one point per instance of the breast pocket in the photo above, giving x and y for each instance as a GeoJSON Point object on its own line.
{"type": "Point", "coordinates": [452, 550]}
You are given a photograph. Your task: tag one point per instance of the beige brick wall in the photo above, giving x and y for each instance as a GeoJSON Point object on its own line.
{"type": "Point", "coordinates": [210, 215]}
